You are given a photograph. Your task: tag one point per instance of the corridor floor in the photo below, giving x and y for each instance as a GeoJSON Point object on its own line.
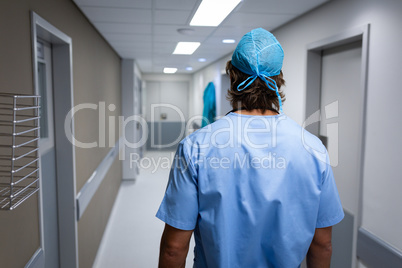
{"type": "Point", "coordinates": [132, 236]}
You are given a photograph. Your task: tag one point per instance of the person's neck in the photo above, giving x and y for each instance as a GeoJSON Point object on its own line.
{"type": "Point", "coordinates": [256, 112]}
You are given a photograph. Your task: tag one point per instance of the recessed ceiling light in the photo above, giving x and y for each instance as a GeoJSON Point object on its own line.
{"type": "Point", "coordinates": [228, 41]}
{"type": "Point", "coordinates": [167, 70]}
{"type": "Point", "coordinates": [202, 59]}
{"type": "Point", "coordinates": [186, 48]}
{"type": "Point", "coordinates": [189, 68]}
{"type": "Point", "coordinates": [213, 12]}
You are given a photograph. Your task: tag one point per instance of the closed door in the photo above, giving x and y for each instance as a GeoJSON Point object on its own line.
{"type": "Point", "coordinates": [341, 103]}
{"type": "Point", "coordinates": [167, 111]}
{"type": "Point", "coordinates": [47, 156]}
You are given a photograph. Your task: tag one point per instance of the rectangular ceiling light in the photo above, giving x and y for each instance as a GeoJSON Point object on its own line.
{"type": "Point", "coordinates": [186, 48]}
{"type": "Point", "coordinates": [169, 70]}
{"type": "Point", "coordinates": [213, 12]}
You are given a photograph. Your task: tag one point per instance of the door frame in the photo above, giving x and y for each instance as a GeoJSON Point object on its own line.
{"type": "Point", "coordinates": [65, 153]}
{"type": "Point", "coordinates": [313, 99]}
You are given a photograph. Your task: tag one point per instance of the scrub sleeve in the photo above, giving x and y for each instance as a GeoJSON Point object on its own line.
{"type": "Point", "coordinates": [179, 207]}
{"type": "Point", "coordinates": [330, 210]}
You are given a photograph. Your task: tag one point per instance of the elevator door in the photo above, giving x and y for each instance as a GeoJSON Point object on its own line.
{"type": "Point", "coordinates": [341, 107]}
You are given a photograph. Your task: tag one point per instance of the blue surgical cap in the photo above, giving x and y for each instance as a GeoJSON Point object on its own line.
{"type": "Point", "coordinates": [259, 54]}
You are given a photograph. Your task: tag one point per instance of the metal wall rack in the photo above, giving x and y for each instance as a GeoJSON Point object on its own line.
{"type": "Point", "coordinates": [19, 149]}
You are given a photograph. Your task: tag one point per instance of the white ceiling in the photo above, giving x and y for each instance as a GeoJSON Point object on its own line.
{"type": "Point", "coordinates": [146, 30]}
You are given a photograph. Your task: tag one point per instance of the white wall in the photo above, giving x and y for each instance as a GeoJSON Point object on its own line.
{"type": "Point", "coordinates": [166, 77]}
{"type": "Point", "coordinates": [382, 198]}
{"type": "Point", "coordinates": [163, 78]}
{"type": "Point", "coordinates": [167, 92]}
{"type": "Point", "coordinates": [137, 70]}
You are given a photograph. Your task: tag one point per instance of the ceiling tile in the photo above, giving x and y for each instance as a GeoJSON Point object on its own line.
{"type": "Point", "coordinates": [123, 28]}
{"type": "Point", "coordinates": [164, 44]}
{"type": "Point", "coordinates": [115, 3]}
{"type": "Point", "coordinates": [146, 30]}
{"type": "Point", "coordinates": [217, 43]}
{"type": "Point", "coordinates": [295, 7]}
{"type": "Point", "coordinates": [161, 29]}
{"type": "Point", "coordinates": [257, 20]}
{"type": "Point", "coordinates": [175, 39]}
{"type": "Point", "coordinates": [162, 53]}
{"type": "Point", "coordinates": [142, 55]}
{"type": "Point", "coordinates": [138, 50]}
{"type": "Point", "coordinates": [101, 14]}
{"type": "Point", "coordinates": [127, 45]}
{"type": "Point", "coordinates": [235, 32]}
{"type": "Point", "coordinates": [171, 16]}
{"type": "Point", "coordinates": [212, 52]}
{"type": "Point", "coordinates": [175, 4]}
{"type": "Point", "coordinates": [116, 37]}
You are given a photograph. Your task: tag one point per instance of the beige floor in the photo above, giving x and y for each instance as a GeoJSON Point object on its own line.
{"type": "Point", "coordinates": [133, 232]}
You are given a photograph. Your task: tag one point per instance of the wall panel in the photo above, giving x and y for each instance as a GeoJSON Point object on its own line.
{"type": "Point", "coordinates": [96, 76]}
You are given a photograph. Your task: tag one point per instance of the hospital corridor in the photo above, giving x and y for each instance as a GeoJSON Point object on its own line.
{"type": "Point", "coordinates": [139, 233]}
{"type": "Point", "coordinates": [200, 133]}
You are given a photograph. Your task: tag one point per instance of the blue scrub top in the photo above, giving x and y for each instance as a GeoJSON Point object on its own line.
{"type": "Point", "coordinates": [253, 189]}
{"type": "Point", "coordinates": [209, 111]}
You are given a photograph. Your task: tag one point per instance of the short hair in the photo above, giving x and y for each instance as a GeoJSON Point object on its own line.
{"type": "Point", "coordinates": [255, 96]}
